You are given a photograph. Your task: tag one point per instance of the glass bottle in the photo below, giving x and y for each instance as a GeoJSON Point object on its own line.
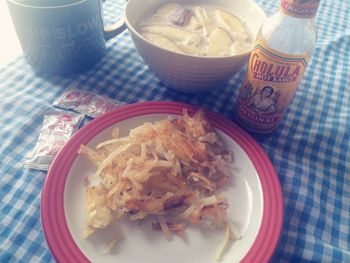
{"type": "Point", "coordinates": [282, 50]}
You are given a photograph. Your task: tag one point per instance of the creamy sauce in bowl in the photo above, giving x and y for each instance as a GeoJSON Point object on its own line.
{"type": "Point", "coordinates": [198, 30]}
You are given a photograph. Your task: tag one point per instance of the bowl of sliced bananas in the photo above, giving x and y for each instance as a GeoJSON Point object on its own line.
{"type": "Point", "coordinates": [194, 46]}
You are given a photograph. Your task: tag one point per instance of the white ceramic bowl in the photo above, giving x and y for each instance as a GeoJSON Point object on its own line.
{"type": "Point", "coordinates": [188, 73]}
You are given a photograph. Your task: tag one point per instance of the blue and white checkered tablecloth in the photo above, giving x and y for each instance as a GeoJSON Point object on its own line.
{"type": "Point", "coordinates": [310, 149]}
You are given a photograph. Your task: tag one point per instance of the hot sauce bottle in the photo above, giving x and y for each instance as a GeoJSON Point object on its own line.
{"type": "Point", "coordinates": [281, 52]}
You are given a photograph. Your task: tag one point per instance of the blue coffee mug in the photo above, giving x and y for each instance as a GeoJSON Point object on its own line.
{"type": "Point", "coordinates": [64, 36]}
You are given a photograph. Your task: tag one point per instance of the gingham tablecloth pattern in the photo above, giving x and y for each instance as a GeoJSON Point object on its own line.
{"type": "Point", "coordinates": [310, 150]}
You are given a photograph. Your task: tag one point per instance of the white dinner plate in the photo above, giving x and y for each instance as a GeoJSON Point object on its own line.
{"type": "Point", "coordinates": [254, 197]}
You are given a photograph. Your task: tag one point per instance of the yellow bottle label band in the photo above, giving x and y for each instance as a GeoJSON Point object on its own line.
{"type": "Point", "coordinates": [300, 8]}
{"type": "Point", "coordinates": [270, 83]}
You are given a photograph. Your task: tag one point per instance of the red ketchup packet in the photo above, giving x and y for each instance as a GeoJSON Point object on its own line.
{"type": "Point", "coordinates": [85, 102]}
{"type": "Point", "coordinates": [57, 128]}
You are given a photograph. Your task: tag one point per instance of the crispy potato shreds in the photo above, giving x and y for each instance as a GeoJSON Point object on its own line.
{"type": "Point", "coordinates": [92, 155]}
{"type": "Point", "coordinates": [113, 141]}
{"type": "Point", "coordinates": [170, 169]}
{"type": "Point", "coordinates": [98, 215]}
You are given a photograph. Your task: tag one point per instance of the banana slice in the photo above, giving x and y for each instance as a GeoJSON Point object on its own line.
{"type": "Point", "coordinates": [173, 33]}
{"type": "Point", "coordinates": [219, 43]}
{"type": "Point", "coordinates": [162, 42]}
{"type": "Point", "coordinates": [229, 21]}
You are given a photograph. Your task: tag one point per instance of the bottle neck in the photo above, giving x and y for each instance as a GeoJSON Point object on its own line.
{"type": "Point", "coordinates": [300, 8]}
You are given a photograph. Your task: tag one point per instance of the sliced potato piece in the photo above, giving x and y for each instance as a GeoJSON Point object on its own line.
{"type": "Point", "coordinates": [241, 36]}
{"type": "Point", "coordinates": [190, 49]}
{"type": "Point", "coordinates": [193, 24]}
{"type": "Point", "coordinates": [228, 21]}
{"type": "Point", "coordinates": [97, 214]}
{"type": "Point", "coordinates": [162, 42]}
{"type": "Point", "coordinates": [242, 47]}
{"type": "Point", "coordinates": [174, 34]}
{"type": "Point", "coordinates": [219, 43]}
{"type": "Point", "coordinates": [203, 18]}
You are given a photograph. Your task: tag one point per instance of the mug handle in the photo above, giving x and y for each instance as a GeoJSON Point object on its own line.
{"type": "Point", "coordinates": [114, 29]}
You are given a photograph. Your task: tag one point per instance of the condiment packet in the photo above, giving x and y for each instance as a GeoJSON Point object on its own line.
{"type": "Point", "coordinates": [57, 128]}
{"type": "Point", "coordinates": [85, 102]}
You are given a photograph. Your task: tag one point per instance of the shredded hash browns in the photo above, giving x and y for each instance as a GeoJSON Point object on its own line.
{"type": "Point", "coordinates": [171, 169]}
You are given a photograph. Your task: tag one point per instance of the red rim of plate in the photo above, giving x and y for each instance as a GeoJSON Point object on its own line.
{"type": "Point", "coordinates": [53, 218]}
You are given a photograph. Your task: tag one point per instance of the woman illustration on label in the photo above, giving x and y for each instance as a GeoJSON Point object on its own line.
{"type": "Point", "coordinates": [264, 100]}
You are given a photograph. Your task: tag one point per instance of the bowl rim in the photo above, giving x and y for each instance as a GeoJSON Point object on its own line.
{"type": "Point", "coordinates": [148, 42]}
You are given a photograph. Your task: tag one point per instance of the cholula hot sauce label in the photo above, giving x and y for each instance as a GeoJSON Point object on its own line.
{"type": "Point", "coordinates": [300, 8]}
{"type": "Point", "coordinates": [270, 83]}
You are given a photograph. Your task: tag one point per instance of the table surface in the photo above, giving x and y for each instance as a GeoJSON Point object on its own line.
{"type": "Point", "coordinates": [310, 149]}
{"type": "Point", "coordinates": [10, 46]}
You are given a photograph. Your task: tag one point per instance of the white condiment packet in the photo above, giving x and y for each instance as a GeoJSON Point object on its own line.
{"type": "Point", "coordinates": [85, 102]}
{"type": "Point", "coordinates": [57, 128]}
